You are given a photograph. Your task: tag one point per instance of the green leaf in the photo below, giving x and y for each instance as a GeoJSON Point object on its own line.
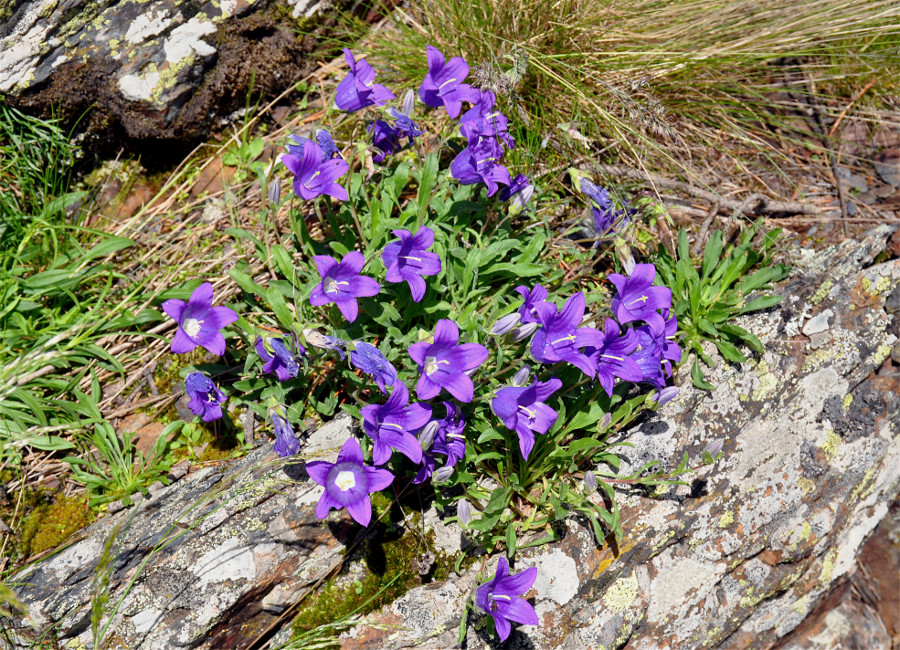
{"type": "Point", "coordinates": [584, 443]}
{"type": "Point", "coordinates": [585, 417]}
{"type": "Point", "coordinates": [698, 377]}
{"type": "Point", "coordinates": [246, 283]}
{"type": "Point", "coordinates": [109, 245]}
{"type": "Point", "coordinates": [426, 183]}
{"type": "Point", "coordinates": [712, 253]}
{"type": "Point", "coordinates": [510, 540]}
{"type": "Point", "coordinates": [763, 302]}
{"type": "Point", "coordinates": [730, 352]}
{"type": "Point", "coordinates": [283, 261]}
{"type": "Point", "coordinates": [284, 315]}
{"type": "Point", "coordinates": [521, 269]}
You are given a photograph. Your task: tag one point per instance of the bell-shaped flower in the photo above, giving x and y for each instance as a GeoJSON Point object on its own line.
{"type": "Point", "coordinates": [369, 359]}
{"type": "Point", "coordinates": [384, 138]}
{"type": "Point", "coordinates": [199, 322]}
{"type": "Point", "coordinates": [404, 126]}
{"type": "Point", "coordinates": [342, 284]}
{"type": "Point", "coordinates": [286, 443]}
{"type": "Point", "coordinates": [348, 483]}
{"type": "Point", "coordinates": [445, 362]}
{"type": "Point", "coordinates": [600, 195]}
{"type": "Point", "coordinates": [560, 338]}
{"type": "Point", "coordinates": [637, 298]}
{"type": "Point", "coordinates": [205, 398]}
{"type": "Point", "coordinates": [483, 121]}
{"type": "Point", "coordinates": [409, 259]}
{"type": "Point", "coordinates": [277, 357]}
{"type": "Point", "coordinates": [501, 598]}
{"type": "Point", "coordinates": [481, 164]}
{"type": "Point", "coordinates": [518, 194]}
{"type": "Point", "coordinates": [523, 410]}
{"type": "Point", "coordinates": [390, 425]}
{"type": "Point", "coordinates": [323, 139]}
{"type": "Point", "coordinates": [443, 85]}
{"type": "Point", "coordinates": [532, 297]}
{"type": "Point", "coordinates": [611, 358]}
{"type": "Point", "coordinates": [358, 89]}
{"type": "Point", "coordinates": [316, 174]}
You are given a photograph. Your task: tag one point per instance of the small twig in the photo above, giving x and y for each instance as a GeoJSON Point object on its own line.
{"type": "Point", "coordinates": [840, 118]}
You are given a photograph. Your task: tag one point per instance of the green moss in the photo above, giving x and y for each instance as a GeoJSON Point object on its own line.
{"type": "Point", "coordinates": [50, 525]}
{"type": "Point", "coordinates": [390, 572]}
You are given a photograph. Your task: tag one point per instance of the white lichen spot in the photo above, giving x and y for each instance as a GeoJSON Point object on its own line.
{"type": "Point", "coordinates": [557, 577]}
{"type": "Point", "coordinates": [146, 25]}
{"type": "Point", "coordinates": [138, 88]}
{"type": "Point", "coordinates": [187, 39]}
{"type": "Point", "coordinates": [227, 561]}
{"type": "Point", "coordinates": [621, 594]}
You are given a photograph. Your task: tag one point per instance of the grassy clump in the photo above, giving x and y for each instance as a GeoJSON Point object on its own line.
{"type": "Point", "coordinates": [50, 525]}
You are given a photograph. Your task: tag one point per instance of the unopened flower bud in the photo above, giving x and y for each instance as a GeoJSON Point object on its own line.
{"type": "Point", "coordinates": [505, 324]}
{"type": "Point", "coordinates": [426, 435]}
{"type": "Point", "coordinates": [715, 447]}
{"type": "Point", "coordinates": [667, 394]}
{"type": "Point", "coordinates": [522, 376]}
{"type": "Point", "coordinates": [442, 474]}
{"type": "Point", "coordinates": [605, 422]}
{"type": "Point", "coordinates": [590, 481]}
{"type": "Point", "coordinates": [463, 511]}
{"type": "Point", "coordinates": [408, 103]}
{"type": "Point", "coordinates": [523, 331]}
{"type": "Point", "coordinates": [274, 193]}
{"type": "Point", "coordinates": [623, 252]}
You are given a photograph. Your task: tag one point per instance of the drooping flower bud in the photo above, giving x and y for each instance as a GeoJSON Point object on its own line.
{"type": "Point", "coordinates": [667, 394]}
{"type": "Point", "coordinates": [605, 422]}
{"type": "Point", "coordinates": [426, 435]}
{"type": "Point", "coordinates": [463, 511]}
{"type": "Point", "coordinates": [523, 331]}
{"type": "Point", "coordinates": [521, 377]}
{"type": "Point", "coordinates": [274, 193]}
{"type": "Point", "coordinates": [590, 481]}
{"type": "Point", "coordinates": [408, 103]}
{"type": "Point", "coordinates": [505, 324]}
{"type": "Point", "coordinates": [715, 447]}
{"type": "Point", "coordinates": [442, 474]}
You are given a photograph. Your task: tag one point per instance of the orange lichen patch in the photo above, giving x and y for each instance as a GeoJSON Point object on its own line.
{"type": "Point", "coordinates": [607, 556]}
{"type": "Point", "coordinates": [771, 556]}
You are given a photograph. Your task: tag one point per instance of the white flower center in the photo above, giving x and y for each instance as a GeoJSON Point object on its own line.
{"type": "Point", "coordinates": [191, 326]}
{"type": "Point", "coordinates": [331, 286]}
{"type": "Point", "coordinates": [345, 480]}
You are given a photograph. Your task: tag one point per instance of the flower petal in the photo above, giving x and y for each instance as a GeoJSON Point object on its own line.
{"type": "Point", "coordinates": [202, 297]}
{"type": "Point", "coordinates": [518, 584]}
{"type": "Point", "coordinates": [174, 308]}
{"type": "Point", "coordinates": [521, 611]}
{"type": "Point", "coordinates": [324, 264]}
{"type": "Point", "coordinates": [219, 317]}
{"type": "Point", "coordinates": [460, 386]}
{"type": "Point", "coordinates": [350, 452]}
{"type": "Point", "coordinates": [361, 511]}
{"type": "Point", "coordinates": [318, 471]}
{"type": "Point", "coordinates": [446, 332]}
{"type": "Point", "coordinates": [349, 308]}
{"type": "Point", "coordinates": [326, 503]}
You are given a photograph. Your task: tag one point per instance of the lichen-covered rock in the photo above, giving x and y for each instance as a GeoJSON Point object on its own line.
{"type": "Point", "coordinates": [736, 560]}
{"type": "Point", "coordinates": [210, 561]}
{"type": "Point", "coordinates": [152, 72]}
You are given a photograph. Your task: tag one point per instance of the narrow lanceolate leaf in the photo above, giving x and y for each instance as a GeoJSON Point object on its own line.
{"type": "Point", "coordinates": [712, 253]}
{"type": "Point", "coordinates": [730, 352]}
{"type": "Point", "coordinates": [699, 379]}
{"type": "Point", "coordinates": [763, 302]}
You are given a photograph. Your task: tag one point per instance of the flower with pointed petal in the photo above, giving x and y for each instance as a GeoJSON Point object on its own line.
{"type": "Point", "coordinates": [532, 298]}
{"type": "Point", "coordinates": [206, 399]}
{"type": "Point", "coordinates": [482, 121]}
{"type": "Point", "coordinates": [315, 174]}
{"type": "Point", "coordinates": [638, 299]}
{"type": "Point", "coordinates": [560, 338]}
{"type": "Point", "coordinates": [384, 138]}
{"type": "Point", "coordinates": [348, 483]}
{"type": "Point", "coordinates": [501, 598]}
{"type": "Point", "coordinates": [405, 125]}
{"type": "Point", "coordinates": [600, 195]}
{"type": "Point", "coordinates": [286, 443]}
{"type": "Point", "coordinates": [323, 139]}
{"type": "Point", "coordinates": [443, 85]}
{"type": "Point", "coordinates": [368, 358]}
{"type": "Point", "coordinates": [409, 259]}
{"type": "Point", "coordinates": [518, 194]}
{"type": "Point", "coordinates": [318, 340]}
{"type": "Point", "coordinates": [342, 284]}
{"type": "Point", "coordinates": [391, 425]}
{"type": "Point", "coordinates": [199, 322]}
{"type": "Point", "coordinates": [611, 358]}
{"type": "Point", "coordinates": [523, 410]}
{"type": "Point", "coordinates": [358, 89]}
{"type": "Point", "coordinates": [481, 164]}
{"type": "Point", "coordinates": [277, 358]}
{"type": "Point", "coordinates": [445, 362]}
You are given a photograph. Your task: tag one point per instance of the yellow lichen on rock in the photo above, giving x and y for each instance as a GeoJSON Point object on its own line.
{"type": "Point", "coordinates": [621, 593]}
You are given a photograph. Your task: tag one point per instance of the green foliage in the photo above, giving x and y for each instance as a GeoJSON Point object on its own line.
{"type": "Point", "coordinates": [111, 468]}
{"type": "Point", "coordinates": [706, 302]}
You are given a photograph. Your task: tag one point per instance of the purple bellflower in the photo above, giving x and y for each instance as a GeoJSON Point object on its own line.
{"type": "Point", "coordinates": [358, 89]}
{"type": "Point", "coordinates": [481, 164]}
{"type": "Point", "coordinates": [199, 322]}
{"type": "Point", "coordinates": [532, 297]}
{"type": "Point", "coordinates": [482, 121]}
{"type": "Point", "coordinates": [523, 410]}
{"type": "Point", "coordinates": [348, 483]}
{"type": "Point", "coordinates": [598, 194]}
{"type": "Point", "coordinates": [409, 259]}
{"type": "Point", "coordinates": [342, 284]}
{"type": "Point", "coordinates": [384, 138]}
{"type": "Point", "coordinates": [280, 360]}
{"type": "Point", "coordinates": [315, 173]}
{"type": "Point", "coordinates": [206, 399]}
{"type": "Point", "coordinates": [443, 85]}
{"type": "Point", "coordinates": [518, 194]}
{"type": "Point", "coordinates": [448, 441]}
{"type": "Point", "coordinates": [286, 443]}
{"type": "Point", "coordinates": [560, 338]}
{"type": "Point", "coordinates": [404, 126]}
{"type": "Point", "coordinates": [368, 358]}
{"type": "Point", "coordinates": [611, 358]}
{"type": "Point", "coordinates": [445, 362]}
{"type": "Point", "coordinates": [638, 299]}
{"type": "Point", "coordinates": [501, 598]}
{"type": "Point", "coordinates": [391, 425]}
{"type": "Point", "coordinates": [323, 139]}
{"type": "Point", "coordinates": [647, 355]}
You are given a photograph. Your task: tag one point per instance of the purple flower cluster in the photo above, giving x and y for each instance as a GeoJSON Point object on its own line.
{"type": "Point", "coordinates": [606, 218]}
{"type": "Point", "coordinates": [358, 89]}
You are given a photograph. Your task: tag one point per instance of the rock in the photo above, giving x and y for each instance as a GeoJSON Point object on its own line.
{"type": "Point", "coordinates": [739, 558]}
{"type": "Point", "coordinates": [155, 74]}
